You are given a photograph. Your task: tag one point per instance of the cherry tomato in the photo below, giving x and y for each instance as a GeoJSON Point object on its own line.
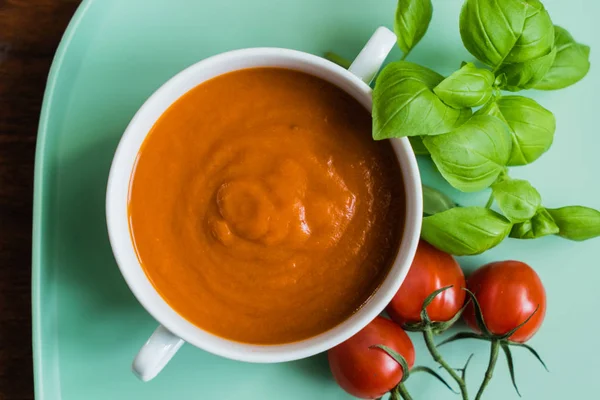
{"type": "Point", "coordinates": [508, 293]}
{"type": "Point", "coordinates": [432, 269]}
{"type": "Point", "coordinates": [369, 373]}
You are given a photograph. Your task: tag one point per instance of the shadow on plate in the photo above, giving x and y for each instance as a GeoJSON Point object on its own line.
{"type": "Point", "coordinates": [315, 368]}
{"type": "Point", "coordinates": [85, 268]}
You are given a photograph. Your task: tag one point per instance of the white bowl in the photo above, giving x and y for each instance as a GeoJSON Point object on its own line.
{"type": "Point", "coordinates": [175, 329]}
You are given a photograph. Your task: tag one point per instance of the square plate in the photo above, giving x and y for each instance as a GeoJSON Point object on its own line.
{"type": "Point", "coordinates": [115, 53]}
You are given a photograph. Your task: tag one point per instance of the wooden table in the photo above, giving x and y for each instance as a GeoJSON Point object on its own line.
{"type": "Point", "coordinates": [29, 34]}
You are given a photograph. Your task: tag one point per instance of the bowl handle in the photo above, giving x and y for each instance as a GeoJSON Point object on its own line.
{"type": "Point", "coordinates": [368, 62]}
{"type": "Point", "coordinates": [156, 353]}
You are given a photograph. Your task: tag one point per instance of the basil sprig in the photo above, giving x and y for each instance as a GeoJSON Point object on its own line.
{"type": "Point", "coordinates": [473, 230]}
{"type": "Point", "coordinates": [520, 48]}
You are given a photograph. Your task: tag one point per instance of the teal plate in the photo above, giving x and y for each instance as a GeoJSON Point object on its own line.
{"type": "Point", "coordinates": [115, 53]}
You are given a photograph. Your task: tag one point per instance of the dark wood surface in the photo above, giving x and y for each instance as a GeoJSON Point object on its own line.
{"type": "Point", "coordinates": [30, 31]}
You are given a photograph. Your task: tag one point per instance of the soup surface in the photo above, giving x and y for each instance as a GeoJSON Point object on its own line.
{"type": "Point", "coordinates": [261, 209]}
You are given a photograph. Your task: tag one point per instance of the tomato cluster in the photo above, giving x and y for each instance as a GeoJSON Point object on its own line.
{"type": "Point", "coordinates": [507, 293]}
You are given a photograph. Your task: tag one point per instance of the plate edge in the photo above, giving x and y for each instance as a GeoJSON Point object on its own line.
{"type": "Point", "coordinates": [38, 192]}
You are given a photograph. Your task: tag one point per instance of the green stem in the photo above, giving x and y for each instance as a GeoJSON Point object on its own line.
{"type": "Point", "coordinates": [404, 56]}
{"type": "Point", "coordinates": [495, 347]}
{"type": "Point", "coordinates": [339, 60]}
{"type": "Point", "coordinates": [490, 201]}
{"type": "Point", "coordinates": [401, 389]}
{"type": "Point", "coordinates": [428, 336]}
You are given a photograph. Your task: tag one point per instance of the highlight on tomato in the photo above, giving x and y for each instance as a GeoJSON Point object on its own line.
{"type": "Point", "coordinates": [366, 371]}
{"type": "Point", "coordinates": [508, 293]}
{"type": "Point", "coordinates": [431, 270]}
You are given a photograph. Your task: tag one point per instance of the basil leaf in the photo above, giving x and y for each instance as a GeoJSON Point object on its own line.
{"type": "Point", "coordinates": [405, 105]}
{"type": "Point", "coordinates": [537, 36]}
{"type": "Point", "coordinates": [411, 23]}
{"type": "Point", "coordinates": [525, 75]}
{"type": "Point", "coordinates": [435, 201]}
{"type": "Point", "coordinates": [468, 87]}
{"type": "Point", "coordinates": [417, 145]}
{"type": "Point", "coordinates": [511, 31]}
{"type": "Point", "coordinates": [571, 64]}
{"type": "Point", "coordinates": [473, 156]}
{"type": "Point", "coordinates": [541, 224]}
{"type": "Point", "coordinates": [531, 126]}
{"type": "Point", "coordinates": [490, 30]}
{"type": "Point", "coordinates": [465, 230]}
{"type": "Point", "coordinates": [517, 199]}
{"type": "Point", "coordinates": [501, 80]}
{"type": "Point", "coordinates": [577, 222]}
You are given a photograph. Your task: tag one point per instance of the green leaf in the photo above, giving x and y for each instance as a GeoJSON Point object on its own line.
{"type": "Point", "coordinates": [465, 230]}
{"type": "Point", "coordinates": [577, 222]}
{"type": "Point", "coordinates": [527, 74]}
{"type": "Point", "coordinates": [435, 201]}
{"type": "Point", "coordinates": [405, 105]}
{"type": "Point", "coordinates": [517, 199]}
{"type": "Point", "coordinates": [490, 29]}
{"type": "Point", "coordinates": [531, 126]}
{"type": "Point", "coordinates": [571, 64]}
{"type": "Point", "coordinates": [472, 156]}
{"type": "Point", "coordinates": [468, 87]}
{"type": "Point", "coordinates": [506, 31]}
{"type": "Point", "coordinates": [411, 23]}
{"type": "Point", "coordinates": [537, 36]}
{"type": "Point", "coordinates": [541, 224]}
{"type": "Point", "coordinates": [417, 145]}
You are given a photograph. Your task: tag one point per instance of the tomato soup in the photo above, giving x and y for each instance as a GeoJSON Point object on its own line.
{"type": "Point", "coordinates": [262, 210]}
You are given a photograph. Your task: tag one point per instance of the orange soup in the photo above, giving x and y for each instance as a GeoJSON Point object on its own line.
{"type": "Point", "coordinates": [262, 210]}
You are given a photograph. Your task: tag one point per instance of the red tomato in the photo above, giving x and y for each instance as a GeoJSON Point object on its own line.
{"type": "Point", "coordinates": [370, 373]}
{"type": "Point", "coordinates": [508, 293]}
{"type": "Point", "coordinates": [432, 269]}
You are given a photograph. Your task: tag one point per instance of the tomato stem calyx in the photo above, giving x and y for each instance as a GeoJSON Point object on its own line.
{"type": "Point", "coordinates": [497, 342]}
{"type": "Point", "coordinates": [400, 391]}
{"type": "Point", "coordinates": [436, 326]}
{"type": "Point", "coordinates": [397, 357]}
